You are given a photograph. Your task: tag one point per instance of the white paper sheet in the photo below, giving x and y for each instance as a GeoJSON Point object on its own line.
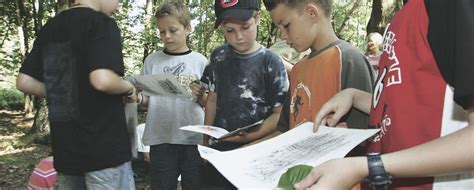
{"type": "Point", "coordinates": [260, 166]}
{"type": "Point", "coordinates": [218, 132]}
{"type": "Point", "coordinates": [161, 84]}
{"type": "Point", "coordinates": [215, 132]}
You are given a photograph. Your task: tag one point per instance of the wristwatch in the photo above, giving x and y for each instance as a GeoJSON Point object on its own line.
{"type": "Point", "coordinates": [378, 178]}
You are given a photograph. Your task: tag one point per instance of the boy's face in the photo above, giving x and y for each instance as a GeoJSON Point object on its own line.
{"type": "Point", "coordinates": [241, 35]}
{"type": "Point", "coordinates": [298, 29]}
{"type": "Point", "coordinates": [173, 34]}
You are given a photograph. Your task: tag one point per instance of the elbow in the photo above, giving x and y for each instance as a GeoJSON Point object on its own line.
{"type": "Point", "coordinates": [22, 83]}
{"type": "Point", "coordinates": [103, 80]}
{"type": "Point", "coordinates": [102, 85]}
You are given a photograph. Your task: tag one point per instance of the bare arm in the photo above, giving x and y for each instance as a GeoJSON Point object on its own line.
{"type": "Point", "coordinates": [210, 111]}
{"type": "Point", "coordinates": [109, 82]}
{"type": "Point", "coordinates": [449, 154]}
{"type": "Point", "coordinates": [268, 126]}
{"type": "Point", "coordinates": [334, 109]}
{"type": "Point", "coordinates": [30, 85]}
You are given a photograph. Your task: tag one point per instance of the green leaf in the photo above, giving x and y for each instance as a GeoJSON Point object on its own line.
{"type": "Point", "coordinates": [293, 175]}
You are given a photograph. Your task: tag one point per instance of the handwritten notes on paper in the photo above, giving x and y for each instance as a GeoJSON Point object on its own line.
{"type": "Point", "coordinates": [261, 165]}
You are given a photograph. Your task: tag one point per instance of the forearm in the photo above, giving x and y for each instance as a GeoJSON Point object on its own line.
{"type": "Point", "coordinates": [109, 82]}
{"type": "Point", "coordinates": [268, 126]}
{"type": "Point", "coordinates": [30, 85]}
{"type": "Point", "coordinates": [202, 100]}
{"type": "Point", "coordinates": [449, 154]}
{"type": "Point", "coordinates": [210, 113]}
{"type": "Point", "coordinates": [361, 100]}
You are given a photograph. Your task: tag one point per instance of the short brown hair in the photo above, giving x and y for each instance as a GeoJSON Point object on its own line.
{"type": "Point", "coordinates": [326, 5]}
{"type": "Point", "coordinates": [175, 9]}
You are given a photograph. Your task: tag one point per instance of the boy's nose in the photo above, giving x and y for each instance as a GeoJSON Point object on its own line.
{"type": "Point", "coordinates": [238, 35]}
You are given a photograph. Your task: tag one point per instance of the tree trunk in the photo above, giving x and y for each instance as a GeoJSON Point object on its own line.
{"type": "Point", "coordinates": [23, 40]}
{"type": "Point", "coordinates": [40, 123]}
{"type": "Point", "coordinates": [382, 13]}
{"type": "Point", "coordinates": [21, 27]}
{"type": "Point", "coordinates": [148, 14]}
{"type": "Point", "coordinates": [38, 13]}
{"type": "Point", "coordinates": [347, 17]}
{"type": "Point", "coordinates": [375, 17]}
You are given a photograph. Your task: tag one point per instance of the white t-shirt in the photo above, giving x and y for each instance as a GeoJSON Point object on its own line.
{"type": "Point", "coordinates": [166, 114]}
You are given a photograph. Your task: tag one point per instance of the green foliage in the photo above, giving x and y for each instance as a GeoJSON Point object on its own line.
{"type": "Point", "coordinates": [11, 99]}
{"type": "Point", "coordinates": [355, 30]}
{"type": "Point", "coordinates": [139, 31]}
{"type": "Point", "coordinates": [292, 176]}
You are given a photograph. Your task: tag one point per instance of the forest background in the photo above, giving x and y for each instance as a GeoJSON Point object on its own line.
{"type": "Point", "coordinates": [23, 119]}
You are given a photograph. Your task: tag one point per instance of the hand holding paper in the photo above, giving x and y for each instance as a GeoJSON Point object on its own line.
{"type": "Point", "coordinates": [217, 132]}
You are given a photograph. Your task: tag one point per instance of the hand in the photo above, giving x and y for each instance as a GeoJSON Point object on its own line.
{"type": "Point", "coordinates": [332, 111]}
{"type": "Point", "coordinates": [241, 137]}
{"type": "Point", "coordinates": [197, 88]}
{"type": "Point", "coordinates": [132, 98]}
{"type": "Point", "coordinates": [341, 173]}
{"type": "Point", "coordinates": [146, 156]}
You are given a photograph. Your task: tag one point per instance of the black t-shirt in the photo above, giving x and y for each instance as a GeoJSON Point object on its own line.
{"type": "Point", "coordinates": [88, 128]}
{"type": "Point", "coordinates": [451, 38]}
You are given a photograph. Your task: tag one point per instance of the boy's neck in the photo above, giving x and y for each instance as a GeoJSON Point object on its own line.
{"type": "Point", "coordinates": [178, 51]}
{"type": "Point", "coordinates": [324, 39]}
{"type": "Point", "coordinates": [255, 46]}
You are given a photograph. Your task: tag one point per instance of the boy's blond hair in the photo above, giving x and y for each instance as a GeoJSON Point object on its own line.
{"type": "Point", "coordinates": [175, 9]}
{"type": "Point", "coordinates": [326, 5]}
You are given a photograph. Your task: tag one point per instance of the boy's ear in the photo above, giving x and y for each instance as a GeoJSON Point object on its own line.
{"type": "Point", "coordinates": [313, 11]}
{"type": "Point", "coordinates": [188, 29]}
{"type": "Point", "coordinates": [257, 18]}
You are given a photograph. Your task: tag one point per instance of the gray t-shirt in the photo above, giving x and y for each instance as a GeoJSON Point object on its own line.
{"type": "Point", "coordinates": [167, 114]}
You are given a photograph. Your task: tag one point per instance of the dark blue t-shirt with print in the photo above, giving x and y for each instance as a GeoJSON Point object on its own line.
{"type": "Point", "coordinates": [248, 86]}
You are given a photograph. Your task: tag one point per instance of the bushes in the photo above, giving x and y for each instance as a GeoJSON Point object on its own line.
{"type": "Point", "coordinates": [11, 99]}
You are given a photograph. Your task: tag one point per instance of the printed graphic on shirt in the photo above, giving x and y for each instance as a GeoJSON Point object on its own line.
{"type": "Point", "coordinates": [301, 96]}
{"type": "Point", "coordinates": [314, 80]}
{"type": "Point", "coordinates": [390, 74]}
{"type": "Point", "coordinates": [177, 70]}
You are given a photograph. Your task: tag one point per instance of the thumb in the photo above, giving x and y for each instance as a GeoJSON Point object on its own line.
{"type": "Point", "coordinates": [308, 181]}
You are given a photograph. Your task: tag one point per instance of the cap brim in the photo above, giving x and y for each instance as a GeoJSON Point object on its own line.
{"type": "Point", "coordinates": [237, 14]}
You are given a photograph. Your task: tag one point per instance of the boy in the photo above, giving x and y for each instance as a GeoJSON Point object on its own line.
{"type": "Point", "coordinates": [247, 82]}
{"type": "Point", "coordinates": [425, 140]}
{"type": "Point", "coordinates": [174, 151]}
{"type": "Point", "coordinates": [332, 65]}
{"type": "Point", "coordinates": [76, 63]}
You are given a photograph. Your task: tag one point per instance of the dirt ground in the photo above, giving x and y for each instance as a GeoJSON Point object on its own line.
{"type": "Point", "coordinates": [19, 154]}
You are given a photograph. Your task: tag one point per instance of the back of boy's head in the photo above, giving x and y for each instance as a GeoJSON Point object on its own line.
{"type": "Point", "coordinates": [175, 9]}
{"type": "Point", "coordinates": [241, 10]}
{"type": "Point", "coordinates": [326, 5]}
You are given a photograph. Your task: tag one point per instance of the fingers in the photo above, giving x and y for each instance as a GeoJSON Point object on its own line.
{"type": "Point", "coordinates": [309, 180]}
{"type": "Point", "coordinates": [333, 120]}
{"type": "Point", "coordinates": [342, 125]}
{"type": "Point", "coordinates": [197, 89]}
{"type": "Point", "coordinates": [321, 117]}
